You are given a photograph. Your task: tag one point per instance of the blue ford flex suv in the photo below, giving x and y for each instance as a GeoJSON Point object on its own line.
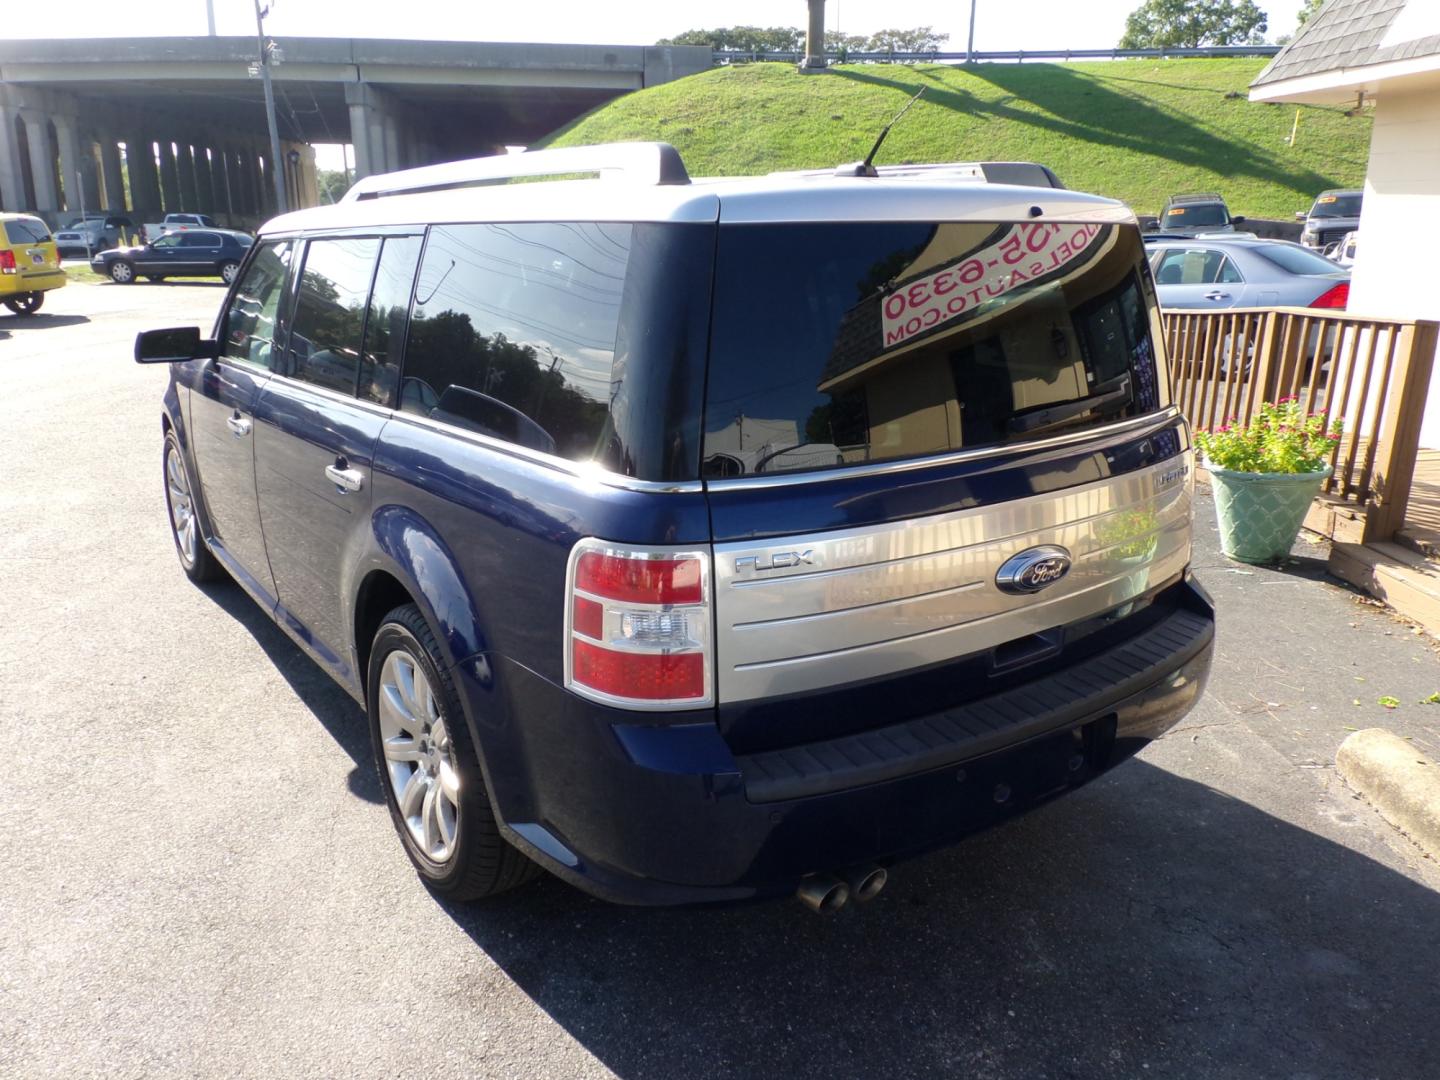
{"type": "Point", "coordinates": [702, 540]}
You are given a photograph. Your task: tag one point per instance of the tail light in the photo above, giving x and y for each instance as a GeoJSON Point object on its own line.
{"type": "Point", "coordinates": [637, 626]}
{"type": "Point", "coordinates": [1335, 298]}
{"type": "Point", "coordinates": [7, 262]}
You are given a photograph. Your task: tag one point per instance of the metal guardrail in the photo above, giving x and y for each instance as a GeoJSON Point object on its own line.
{"type": "Point", "coordinates": [731, 56]}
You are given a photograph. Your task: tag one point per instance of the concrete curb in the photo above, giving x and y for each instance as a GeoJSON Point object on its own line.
{"type": "Point", "coordinates": [1398, 780]}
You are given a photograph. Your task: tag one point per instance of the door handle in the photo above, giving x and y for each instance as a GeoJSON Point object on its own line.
{"type": "Point", "coordinates": [1217, 295]}
{"type": "Point", "coordinates": [347, 480]}
{"type": "Point", "coordinates": [238, 424]}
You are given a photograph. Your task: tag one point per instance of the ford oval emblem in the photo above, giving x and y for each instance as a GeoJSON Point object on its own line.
{"type": "Point", "coordinates": [1033, 569]}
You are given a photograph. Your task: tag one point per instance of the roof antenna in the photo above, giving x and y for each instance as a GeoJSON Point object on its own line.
{"type": "Point", "coordinates": [864, 168]}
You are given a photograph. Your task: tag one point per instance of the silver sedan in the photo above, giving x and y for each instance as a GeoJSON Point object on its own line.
{"type": "Point", "coordinates": [1204, 273]}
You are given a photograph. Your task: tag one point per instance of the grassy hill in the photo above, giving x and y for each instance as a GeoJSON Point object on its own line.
{"type": "Point", "coordinates": [1135, 130]}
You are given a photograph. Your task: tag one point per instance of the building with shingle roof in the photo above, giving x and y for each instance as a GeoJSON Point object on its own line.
{"type": "Point", "coordinates": [1383, 54]}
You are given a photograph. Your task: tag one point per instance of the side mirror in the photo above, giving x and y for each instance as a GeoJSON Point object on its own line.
{"type": "Point", "coordinates": [174, 346]}
{"type": "Point", "coordinates": [1301, 215]}
{"type": "Point", "coordinates": [1240, 220]}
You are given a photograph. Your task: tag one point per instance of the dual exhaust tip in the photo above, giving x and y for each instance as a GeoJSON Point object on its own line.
{"type": "Point", "coordinates": [826, 894]}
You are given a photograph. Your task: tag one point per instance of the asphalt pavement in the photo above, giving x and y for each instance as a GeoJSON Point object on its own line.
{"type": "Point", "coordinates": [198, 878]}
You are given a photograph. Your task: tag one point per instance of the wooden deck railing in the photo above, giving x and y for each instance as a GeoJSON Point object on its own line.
{"type": "Point", "coordinates": [1372, 374]}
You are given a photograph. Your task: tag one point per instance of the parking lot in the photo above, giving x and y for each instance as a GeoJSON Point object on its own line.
{"type": "Point", "coordinates": [199, 877]}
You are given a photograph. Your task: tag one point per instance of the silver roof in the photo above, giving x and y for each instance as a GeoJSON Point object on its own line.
{"type": "Point", "coordinates": [781, 198]}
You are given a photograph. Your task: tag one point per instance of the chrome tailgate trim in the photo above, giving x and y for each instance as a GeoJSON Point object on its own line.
{"type": "Point", "coordinates": [804, 612]}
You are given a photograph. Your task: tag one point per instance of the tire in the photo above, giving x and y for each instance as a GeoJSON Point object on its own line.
{"type": "Point", "coordinates": [228, 270]}
{"type": "Point", "coordinates": [122, 272]}
{"type": "Point", "coordinates": [195, 558]}
{"type": "Point", "coordinates": [427, 762]}
{"type": "Point", "coordinates": [26, 303]}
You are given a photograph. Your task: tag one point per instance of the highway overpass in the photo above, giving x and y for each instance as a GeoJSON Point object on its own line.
{"type": "Point", "coordinates": [151, 125]}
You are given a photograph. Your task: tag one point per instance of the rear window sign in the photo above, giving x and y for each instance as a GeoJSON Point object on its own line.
{"type": "Point", "coordinates": [1327, 198]}
{"type": "Point", "coordinates": [1175, 211]}
{"type": "Point", "coordinates": [985, 274]}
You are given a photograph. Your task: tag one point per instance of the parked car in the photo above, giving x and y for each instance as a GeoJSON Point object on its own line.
{"type": "Point", "coordinates": [1186, 215]}
{"type": "Point", "coordinates": [459, 442]}
{"type": "Point", "coordinates": [1342, 252]}
{"type": "Point", "coordinates": [193, 253]}
{"type": "Point", "coordinates": [177, 223]}
{"type": "Point", "coordinates": [90, 233]}
{"type": "Point", "coordinates": [1225, 273]}
{"type": "Point", "coordinates": [29, 263]}
{"type": "Point", "coordinates": [1333, 214]}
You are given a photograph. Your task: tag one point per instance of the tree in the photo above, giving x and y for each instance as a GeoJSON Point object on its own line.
{"type": "Point", "coordinates": [920, 39]}
{"type": "Point", "coordinates": [1190, 24]}
{"type": "Point", "coordinates": [743, 38]}
{"type": "Point", "coordinates": [332, 184]}
{"type": "Point", "coordinates": [1307, 9]}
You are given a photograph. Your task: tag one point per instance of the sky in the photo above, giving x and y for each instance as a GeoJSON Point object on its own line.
{"type": "Point", "coordinates": [999, 24]}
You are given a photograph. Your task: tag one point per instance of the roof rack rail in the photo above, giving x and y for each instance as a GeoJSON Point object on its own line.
{"type": "Point", "coordinates": [1022, 173]}
{"type": "Point", "coordinates": [1198, 196]}
{"type": "Point", "coordinates": [644, 163]}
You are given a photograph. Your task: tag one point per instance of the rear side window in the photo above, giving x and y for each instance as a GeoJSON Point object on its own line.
{"type": "Point", "coordinates": [26, 231]}
{"type": "Point", "coordinates": [324, 346]}
{"type": "Point", "coordinates": [385, 326]}
{"type": "Point", "coordinates": [1296, 260]}
{"type": "Point", "coordinates": [250, 320]}
{"type": "Point", "coordinates": [199, 239]}
{"type": "Point", "coordinates": [896, 340]}
{"type": "Point", "coordinates": [513, 332]}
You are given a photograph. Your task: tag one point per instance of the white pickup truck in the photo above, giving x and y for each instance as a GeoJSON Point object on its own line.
{"type": "Point", "coordinates": [178, 223]}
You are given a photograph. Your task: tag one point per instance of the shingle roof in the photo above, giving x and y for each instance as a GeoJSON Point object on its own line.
{"type": "Point", "coordinates": [1346, 34]}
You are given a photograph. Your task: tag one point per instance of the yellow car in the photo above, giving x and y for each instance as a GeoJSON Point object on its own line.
{"type": "Point", "coordinates": [29, 263]}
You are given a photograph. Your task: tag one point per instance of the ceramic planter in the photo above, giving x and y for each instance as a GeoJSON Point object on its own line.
{"type": "Point", "coordinates": [1260, 513]}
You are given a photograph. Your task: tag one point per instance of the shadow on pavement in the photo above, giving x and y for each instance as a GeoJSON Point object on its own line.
{"type": "Point", "coordinates": [1147, 925]}
{"type": "Point", "coordinates": [39, 321]}
{"type": "Point", "coordinates": [332, 706]}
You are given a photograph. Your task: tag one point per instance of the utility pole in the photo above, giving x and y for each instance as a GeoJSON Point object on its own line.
{"type": "Point", "coordinates": [277, 170]}
{"type": "Point", "coordinates": [970, 45]}
{"type": "Point", "coordinates": [210, 15]}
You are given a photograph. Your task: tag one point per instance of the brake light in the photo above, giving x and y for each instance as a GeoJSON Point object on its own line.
{"type": "Point", "coordinates": [1335, 298]}
{"type": "Point", "coordinates": [7, 262]}
{"type": "Point", "coordinates": [637, 626]}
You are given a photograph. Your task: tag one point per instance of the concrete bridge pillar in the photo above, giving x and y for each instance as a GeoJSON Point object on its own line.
{"type": "Point", "coordinates": [375, 130]}
{"type": "Point", "coordinates": [144, 182]}
{"type": "Point", "coordinates": [227, 193]}
{"type": "Point", "coordinates": [12, 177]}
{"type": "Point", "coordinates": [205, 181]}
{"type": "Point", "coordinates": [169, 177]}
{"type": "Point", "coordinates": [42, 162]}
{"type": "Point", "coordinates": [72, 166]}
{"type": "Point", "coordinates": [114, 194]}
{"type": "Point", "coordinates": [185, 167]}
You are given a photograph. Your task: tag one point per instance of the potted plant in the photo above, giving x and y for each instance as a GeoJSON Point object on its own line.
{"type": "Point", "coordinates": [1265, 476]}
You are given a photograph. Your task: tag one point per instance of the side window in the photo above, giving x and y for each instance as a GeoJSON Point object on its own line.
{"type": "Point", "coordinates": [199, 239]}
{"type": "Point", "coordinates": [250, 320]}
{"type": "Point", "coordinates": [389, 308]}
{"type": "Point", "coordinates": [1170, 267]}
{"type": "Point", "coordinates": [169, 240]}
{"type": "Point", "coordinates": [1229, 275]}
{"type": "Point", "coordinates": [513, 332]}
{"type": "Point", "coordinates": [329, 318]}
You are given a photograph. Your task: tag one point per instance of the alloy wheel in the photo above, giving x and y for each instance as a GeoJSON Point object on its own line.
{"type": "Point", "coordinates": [420, 758]}
{"type": "Point", "coordinates": [182, 506]}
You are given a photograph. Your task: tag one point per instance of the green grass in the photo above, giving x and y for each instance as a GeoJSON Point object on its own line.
{"type": "Point", "coordinates": [84, 275]}
{"type": "Point", "coordinates": [1136, 130]}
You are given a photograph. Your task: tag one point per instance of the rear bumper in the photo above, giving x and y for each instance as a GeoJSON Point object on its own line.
{"type": "Point", "coordinates": [15, 285]}
{"type": "Point", "coordinates": [646, 813]}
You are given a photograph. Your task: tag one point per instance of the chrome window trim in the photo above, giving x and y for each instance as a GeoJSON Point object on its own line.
{"type": "Point", "coordinates": [578, 470]}
{"type": "Point", "coordinates": [1150, 421]}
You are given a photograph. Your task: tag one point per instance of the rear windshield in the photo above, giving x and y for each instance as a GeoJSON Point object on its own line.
{"type": "Point", "coordinates": [835, 345]}
{"type": "Point", "coordinates": [1202, 216]}
{"type": "Point", "coordinates": [1295, 259]}
{"type": "Point", "coordinates": [1336, 206]}
{"type": "Point", "coordinates": [26, 231]}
